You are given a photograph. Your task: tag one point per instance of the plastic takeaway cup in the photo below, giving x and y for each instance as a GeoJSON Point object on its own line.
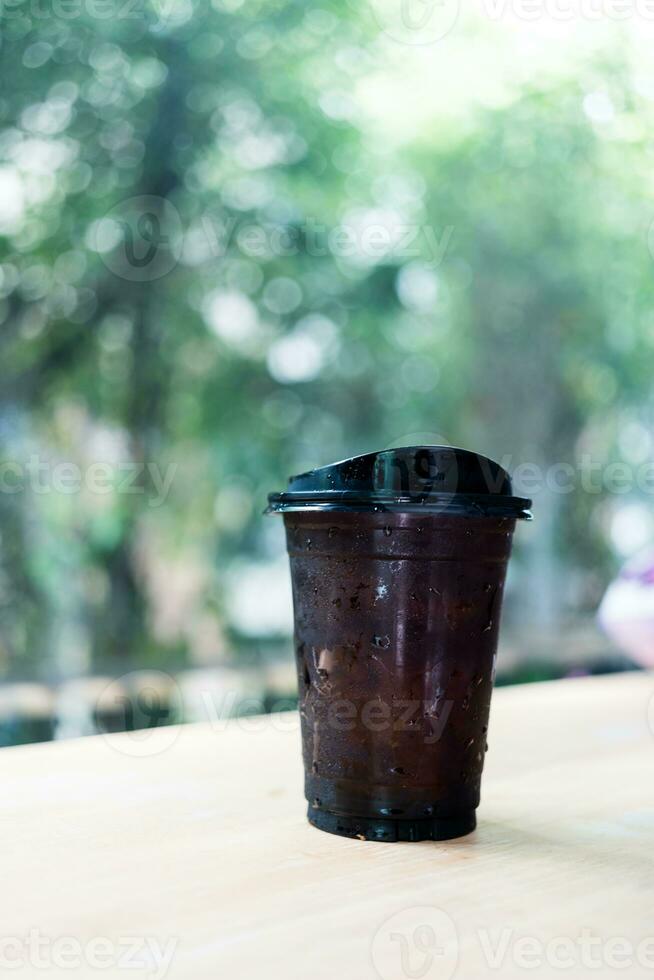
{"type": "Point", "coordinates": [398, 560]}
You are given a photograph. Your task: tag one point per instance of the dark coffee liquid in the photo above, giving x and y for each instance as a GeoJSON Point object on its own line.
{"type": "Point", "coordinates": [396, 626]}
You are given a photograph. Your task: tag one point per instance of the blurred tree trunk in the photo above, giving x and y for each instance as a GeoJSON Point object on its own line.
{"type": "Point", "coordinates": [121, 630]}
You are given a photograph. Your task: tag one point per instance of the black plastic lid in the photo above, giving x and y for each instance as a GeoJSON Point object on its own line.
{"type": "Point", "coordinates": [414, 478]}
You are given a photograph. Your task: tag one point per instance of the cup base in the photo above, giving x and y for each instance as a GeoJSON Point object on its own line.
{"type": "Point", "coordinates": [394, 831]}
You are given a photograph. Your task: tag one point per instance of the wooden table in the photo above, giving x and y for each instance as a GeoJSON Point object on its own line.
{"type": "Point", "coordinates": [191, 845]}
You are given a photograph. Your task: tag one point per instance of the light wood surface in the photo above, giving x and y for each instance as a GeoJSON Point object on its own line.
{"type": "Point", "coordinates": [195, 839]}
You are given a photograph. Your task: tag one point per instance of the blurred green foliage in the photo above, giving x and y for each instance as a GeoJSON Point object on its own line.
{"type": "Point", "coordinates": [508, 310]}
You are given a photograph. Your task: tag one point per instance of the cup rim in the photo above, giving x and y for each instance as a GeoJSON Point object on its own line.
{"type": "Point", "coordinates": [456, 504]}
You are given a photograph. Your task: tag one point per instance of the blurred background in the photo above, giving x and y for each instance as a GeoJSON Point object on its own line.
{"type": "Point", "coordinates": [240, 240]}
